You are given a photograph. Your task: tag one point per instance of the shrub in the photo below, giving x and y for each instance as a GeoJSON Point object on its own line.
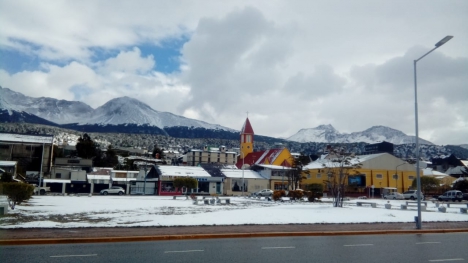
{"type": "Point", "coordinates": [314, 191]}
{"type": "Point", "coordinates": [16, 192]}
{"type": "Point", "coordinates": [278, 194]}
{"type": "Point", "coordinates": [296, 194]}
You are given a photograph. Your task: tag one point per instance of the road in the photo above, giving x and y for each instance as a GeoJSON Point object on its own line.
{"type": "Point", "coordinates": [349, 249]}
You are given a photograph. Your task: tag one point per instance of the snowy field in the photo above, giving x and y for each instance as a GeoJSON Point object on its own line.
{"type": "Point", "coordinates": [132, 211]}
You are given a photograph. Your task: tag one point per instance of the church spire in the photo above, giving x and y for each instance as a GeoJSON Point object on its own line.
{"type": "Point", "coordinates": [246, 139]}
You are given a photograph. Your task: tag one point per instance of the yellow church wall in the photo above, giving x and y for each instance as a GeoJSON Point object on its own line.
{"type": "Point", "coordinates": [285, 155]}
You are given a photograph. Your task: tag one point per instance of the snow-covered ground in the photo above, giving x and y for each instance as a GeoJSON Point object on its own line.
{"type": "Point", "coordinates": [131, 211]}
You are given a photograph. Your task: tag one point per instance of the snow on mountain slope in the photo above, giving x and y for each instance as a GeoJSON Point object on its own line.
{"type": "Point", "coordinates": [125, 110]}
{"type": "Point", "coordinates": [58, 111]}
{"type": "Point", "coordinates": [326, 133]}
{"type": "Point", "coordinates": [117, 111]}
{"type": "Point", "coordinates": [322, 133]}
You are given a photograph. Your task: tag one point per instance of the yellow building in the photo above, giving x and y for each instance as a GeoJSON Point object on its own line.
{"type": "Point", "coordinates": [376, 171]}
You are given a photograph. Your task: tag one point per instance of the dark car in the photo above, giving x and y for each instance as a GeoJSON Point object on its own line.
{"type": "Point", "coordinates": [452, 195]}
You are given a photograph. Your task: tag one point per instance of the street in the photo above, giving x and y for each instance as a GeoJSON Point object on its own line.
{"type": "Point", "coordinates": [350, 249]}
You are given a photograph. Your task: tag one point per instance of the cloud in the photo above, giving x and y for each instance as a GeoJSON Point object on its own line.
{"type": "Point", "coordinates": [230, 59]}
{"type": "Point", "coordinates": [291, 66]}
{"type": "Point", "coordinates": [321, 82]}
{"type": "Point", "coordinates": [126, 74]}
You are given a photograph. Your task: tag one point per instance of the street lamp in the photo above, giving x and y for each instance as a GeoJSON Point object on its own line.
{"type": "Point", "coordinates": [396, 175]}
{"type": "Point", "coordinates": [243, 173]}
{"type": "Point", "coordinates": [418, 178]}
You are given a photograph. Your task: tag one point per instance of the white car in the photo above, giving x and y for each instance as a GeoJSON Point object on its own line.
{"type": "Point", "coordinates": [412, 194]}
{"type": "Point", "coordinates": [113, 190]}
{"type": "Point", "coordinates": [264, 192]}
{"type": "Point", "coordinates": [394, 196]}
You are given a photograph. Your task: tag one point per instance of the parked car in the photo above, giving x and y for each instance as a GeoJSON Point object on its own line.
{"type": "Point", "coordinates": [40, 190]}
{"type": "Point", "coordinates": [412, 194]}
{"type": "Point", "coordinates": [113, 190]}
{"type": "Point", "coordinates": [264, 192]}
{"type": "Point", "coordinates": [452, 195]}
{"type": "Point", "coordinates": [395, 196]}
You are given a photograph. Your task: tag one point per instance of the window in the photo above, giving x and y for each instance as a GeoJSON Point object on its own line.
{"type": "Point", "coordinates": [319, 176]}
{"type": "Point", "coordinates": [395, 176]}
{"type": "Point", "coordinates": [411, 177]}
{"type": "Point", "coordinates": [58, 175]}
{"type": "Point", "coordinates": [379, 176]}
{"type": "Point", "coordinates": [308, 176]}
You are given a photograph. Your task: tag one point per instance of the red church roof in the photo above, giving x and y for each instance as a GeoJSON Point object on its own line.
{"type": "Point", "coordinates": [247, 128]}
{"type": "Point", "coordinates": [261, 157]}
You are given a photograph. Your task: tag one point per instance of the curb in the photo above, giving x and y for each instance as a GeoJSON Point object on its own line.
{"type": "Point", "coordinates": [48, 241]}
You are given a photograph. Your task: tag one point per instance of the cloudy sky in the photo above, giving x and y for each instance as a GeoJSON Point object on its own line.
{"type": "Point", "coordinates": [289, 64]}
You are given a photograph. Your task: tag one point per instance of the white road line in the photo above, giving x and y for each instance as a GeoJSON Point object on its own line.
{"type": "Point", "coordinates": [449, 259]}
{"type": "Point", "coordinates": [69, 256]}
{"type": "Point", "coordinates": [422, 243]}
{"type": "Point", "coordinates": [359, 245]}
{"type": "Point", "coordinates": [277, 247]}
{"type": "Point", "coordinates": [184, 251]}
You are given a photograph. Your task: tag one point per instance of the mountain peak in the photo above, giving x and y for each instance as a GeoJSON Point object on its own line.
{"type": "Point", "coordinates": [374, 134]}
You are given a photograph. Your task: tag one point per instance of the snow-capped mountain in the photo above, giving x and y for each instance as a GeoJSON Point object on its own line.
{"type": "Point", "coordinates": [57, 111]}
{"type": "Point", "coordinates": [326, 133]}
{"type": "Point", "coordinates": [119, 111]}
{"type": "Point", "coordinates": [125, 110]}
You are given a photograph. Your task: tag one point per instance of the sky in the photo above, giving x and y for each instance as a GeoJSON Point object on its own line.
{"type": "Point", "coordinates": [148, 211]}
{"type": "Point", "coordinates": [287, 65]}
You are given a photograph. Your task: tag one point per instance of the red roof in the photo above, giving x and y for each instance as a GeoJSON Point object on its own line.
{"type": "Point", "coordinates": [261, 158]}
{"type": "Point", "coordinates": [247, 128]}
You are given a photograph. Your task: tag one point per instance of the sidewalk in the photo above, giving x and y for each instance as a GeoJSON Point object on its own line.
{"type": "Point", "coordinates": [223, 231]}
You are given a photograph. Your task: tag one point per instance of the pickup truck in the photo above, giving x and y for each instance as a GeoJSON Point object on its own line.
{"type": "Point", "coordinates": [412, 194]}
{"type": "Point", "coordinates": [40, 190]}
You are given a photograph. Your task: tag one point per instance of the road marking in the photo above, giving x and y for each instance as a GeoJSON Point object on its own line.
{"type": "Point", "coordinates": [449, 259]}
{"type": "Point", "coordinates": [359, 245]}
{"type": "Point", "coordinates": [422, 243]}
{"type": "Point", "coordinates": [277, 247]}
{"type": "Point", "coordinates": [184, 251]}
{"type": "Point", "coordinates": [69, 256]}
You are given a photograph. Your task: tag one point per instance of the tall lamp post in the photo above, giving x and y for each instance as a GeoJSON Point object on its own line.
{"type": "Point", "coordinates": [243, 174]}
{"type": "Point", "coordinates": [396, 176]}
{"type": "Point", "coordinates": [418, 178]}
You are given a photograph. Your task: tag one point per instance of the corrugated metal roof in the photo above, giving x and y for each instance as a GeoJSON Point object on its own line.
{"type": "Point", "coordinates": [26, 138]}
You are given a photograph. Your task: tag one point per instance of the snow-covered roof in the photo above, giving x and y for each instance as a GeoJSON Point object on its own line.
{"type": "Point", "coordinates": [321, 163]}
{"type": "Point", "coordinates": [464, 162]}
{"type": "Point", "coordinates": [190, 171]}
{"type": "Point", "coordinates": [8, 163]}
{"type": "Point", "coordinates": [246, 174]}
{"type": "Point", "coordinates": [98, 177]}
{"type": "Point", "coordinates": [25, 138]}
{"type": "Point", "coordinates": [57, 181]}
{"type": "Point", "coordinates": [430, 172]}
{"type": "Point", "coordinates": [274, 167]}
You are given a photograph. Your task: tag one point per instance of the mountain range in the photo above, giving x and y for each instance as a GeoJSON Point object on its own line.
{"type": "Point", "coordinates": [327, 133]}
{"type": "Point", "coordinates": [129, 115]}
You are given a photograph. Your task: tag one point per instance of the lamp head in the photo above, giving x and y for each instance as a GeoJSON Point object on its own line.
{"type": "Point", "coordinates": [443, 41]}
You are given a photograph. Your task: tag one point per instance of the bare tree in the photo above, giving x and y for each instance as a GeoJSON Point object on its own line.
{"type": "Point", "coordinates": [338, 167]}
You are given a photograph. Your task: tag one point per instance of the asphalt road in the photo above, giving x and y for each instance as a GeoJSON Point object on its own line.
{"type": "Point", "coordinates": [349, 249]}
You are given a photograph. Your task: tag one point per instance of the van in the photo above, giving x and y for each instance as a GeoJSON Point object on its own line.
{"type": "Point", "coordinates": [452, 195]}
